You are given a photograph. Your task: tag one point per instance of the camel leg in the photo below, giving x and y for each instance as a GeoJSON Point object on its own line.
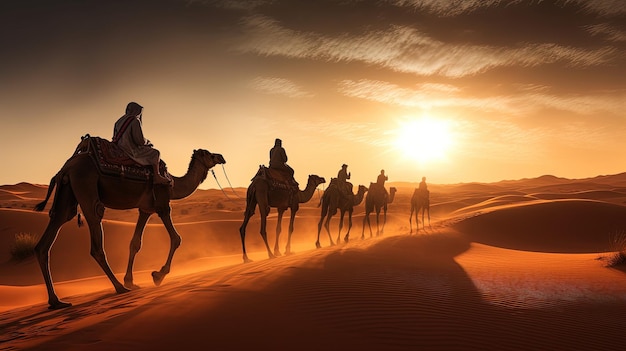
{"type": "Point", "coordinates": [341, 217]}
{"type": "Point", "coordinates": [250, 206]}
{"type": "Point", "coordinates": [242, 232]}
{"type": "Point", "coordinates": [264, 211]}
{"type": "Point", "coordinates": [369, 225]}
{"type": "Point", "coordinates": [292, 219]}
{"type": "Point", "coordinates": [93, 216]}
{"type": "Point", "coordinates": [377, 223]}
{"type": "Point", "coordinates": [327, 227]}
{"type": "Point", "coordinates": [347, 237]}
{"type": "Point", "coordinates": [135, 246]}
{"type": "Point", "coordinates": [175, 241]}
{"type": "Point", "coordinates": [319, 230]}
{"type": "Point", "coordinates": [382, 229]}
{"type": "Point", "coordinates": [323, 215]}
{"type": "Point", "coordinates": [279, 225]}
{"type": "Point", "coordinates": [411, 220]}
{"type": "Point", "coordinates": [58, 216]}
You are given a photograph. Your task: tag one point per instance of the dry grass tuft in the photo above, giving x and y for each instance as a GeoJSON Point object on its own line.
{"type": "Point", "coordinates": [618, 249]}
{"type": "Point", "coordinates": [23, 247]}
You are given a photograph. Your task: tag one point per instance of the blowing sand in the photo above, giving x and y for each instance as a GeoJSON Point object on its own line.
{"type": "Point", "coordinates": [518, 265]}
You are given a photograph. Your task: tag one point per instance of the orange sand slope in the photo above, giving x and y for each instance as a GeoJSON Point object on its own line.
{"type": "Point", "coordinates": [514, 265]}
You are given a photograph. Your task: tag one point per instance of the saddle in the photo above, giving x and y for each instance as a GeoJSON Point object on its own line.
{"type": "Point", "coordinates": [277, 179]}
{"type": "Point", "coordinates": [345, 190]}
{"type": "Point", "coordinates": [113, 161]}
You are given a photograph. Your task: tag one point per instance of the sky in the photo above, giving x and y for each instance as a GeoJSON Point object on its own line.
{"type": "Point", "coordinates": [454, 91]}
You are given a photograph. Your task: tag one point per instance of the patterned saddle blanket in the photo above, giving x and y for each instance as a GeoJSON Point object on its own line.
{"type": "Point", "coordinates": [276, 178]}
{"type": "Point", "coordinates": [113, 161]}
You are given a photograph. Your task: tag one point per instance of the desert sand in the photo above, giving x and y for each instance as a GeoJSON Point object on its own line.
{"type": "Point", "coordinates": [512, 265]}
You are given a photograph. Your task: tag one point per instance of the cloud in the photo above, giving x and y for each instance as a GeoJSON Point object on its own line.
{"type": "Point", "coordinates": [529, 98]}
{"type": "Point", "coordinates": [602, 7]}
{"type": "Point", "coordinates": [278, 86]}
{"type": "Point", "coordinates": [231, 4]}
{"type": "Point", "coordinates": [408, 50]}
{"type": "Point", "coordinates": [447, 8]}
{"type": "Point", "coordinates": [607, 31]}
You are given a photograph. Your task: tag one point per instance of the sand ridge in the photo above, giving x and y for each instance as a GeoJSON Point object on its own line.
{"type": "Point", "coordinates": [501, 268]}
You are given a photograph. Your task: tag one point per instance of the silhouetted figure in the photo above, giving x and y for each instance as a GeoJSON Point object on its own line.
{"type": "Point", "coordinates": [382, 178]}
{"type": "Point", "coordinates": [342, 180]}
{"type": "Point", "coordinates": [128, 135]}
{"type": "Point", "coordinates": [278, 158]}
{"type": "Point", "coordinates": [423, 188]}
{"type": "Point", "coordinates": [420, 201]}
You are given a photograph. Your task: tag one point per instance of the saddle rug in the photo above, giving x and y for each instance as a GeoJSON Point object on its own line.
{"type": "Point", "coordinates": [113, 161]}
{"type": "Point", "coordinates": [276, 178]}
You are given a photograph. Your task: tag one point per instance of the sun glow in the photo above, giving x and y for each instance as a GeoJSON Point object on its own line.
{"type": "Point", "coordinates": [424, 139]}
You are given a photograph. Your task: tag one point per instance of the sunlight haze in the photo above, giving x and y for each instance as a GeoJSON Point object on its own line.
{"type": "Point", "coordinates": [484, 91]}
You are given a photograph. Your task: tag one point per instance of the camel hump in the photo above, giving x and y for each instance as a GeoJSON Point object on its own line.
{"type": "Point", "coordinates": [112, 153]}
{"type": "Point", "coordinates": [277, 178]}
{"type": "Point", "coordinates": [113, 161]}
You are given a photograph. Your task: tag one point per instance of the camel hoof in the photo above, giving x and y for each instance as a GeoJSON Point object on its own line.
{"type": "Point", "coordinates": [59, 305]}
{"type": "Point", "coordinates": [318, 245]}
{"type": "Point", "coordinates": [157, 277]}
{"type": "Point", "coordinates": [121, 290]}
{"type": "Point", "coordinates": [131, 286]}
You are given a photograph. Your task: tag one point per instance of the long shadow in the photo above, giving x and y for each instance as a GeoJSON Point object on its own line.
{"type": "Point", "coordinates": [397, 293]}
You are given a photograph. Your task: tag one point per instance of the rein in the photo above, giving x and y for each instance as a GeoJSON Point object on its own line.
{"type": "Point", "coordinates": [228, 180]}
{"type": "Point", "coordinates": [218, 184]}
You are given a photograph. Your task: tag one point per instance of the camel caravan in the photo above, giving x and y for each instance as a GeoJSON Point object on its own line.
{"type": "Point", "coordinates": [127, 173]}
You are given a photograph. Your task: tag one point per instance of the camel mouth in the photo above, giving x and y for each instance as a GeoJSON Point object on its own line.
{"type": "Point", "coordinates": [219, 159]}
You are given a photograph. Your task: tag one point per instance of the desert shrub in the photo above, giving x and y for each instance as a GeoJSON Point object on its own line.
{"type": "Point", "coordinates": [219, 206]}
{"type": "Point", "coordinates": [23, 247]}
{"type": "Point", "coordinates": [618, 247]}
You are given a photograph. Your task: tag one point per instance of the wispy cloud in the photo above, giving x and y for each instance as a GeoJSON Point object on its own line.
{"type": "Point", "coordinates": [231, 4]}
{"type": "Point", "coordinates": [607, 31]}
{"type": "Point", "coordinates": [528, 100]}
{"type": "Point", "coordinates": [408, 50]}
{"type": "Point", "coordinates": [278, 86]}
{"type": "Point", "coordinates": [447, 8]}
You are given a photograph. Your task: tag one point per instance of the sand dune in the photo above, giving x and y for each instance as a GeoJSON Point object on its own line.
{"type": "Point", "coordinates": [499, 269]}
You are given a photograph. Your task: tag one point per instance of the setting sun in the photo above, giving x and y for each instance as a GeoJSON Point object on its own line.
{"type": "Point", "coordinates": [424, 139]}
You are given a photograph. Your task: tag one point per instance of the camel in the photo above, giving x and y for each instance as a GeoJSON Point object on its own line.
{"type": "Point", "coordinates": [419, 201]}
{"type": "Point", "coordinates": [261, 193]}
{"type": "Point", "coordinates": [330, 202]}
{"type": "Point", "coordinates": [376, 200]}
{"type": "Point", "coordinates": [79, 182]}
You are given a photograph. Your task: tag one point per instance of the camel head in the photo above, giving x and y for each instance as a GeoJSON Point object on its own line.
{"type": "Point", "coordinates": [362, 189]}
{"type": "Point", "coordinates": [208, 159]}
{"type": "Point", "coordinates": [316, 180]}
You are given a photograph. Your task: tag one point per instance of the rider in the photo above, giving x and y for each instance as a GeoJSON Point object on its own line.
{"type": "Point", "coordinates": [342, 179]}
{"type": "Point", "coordinates": [380, 181]}
{"type": "Point", "coordinates": [128, 135]}
{"type": "Point", "coordinates": [423, 188]}
{"type": "Point", "coordinates": [382, 178]}
{"type": "Point", "coordinates": [278, 160]}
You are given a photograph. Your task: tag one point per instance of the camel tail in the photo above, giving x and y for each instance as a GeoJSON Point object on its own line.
{"type": "Point", "coordinates": [40, 206]}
